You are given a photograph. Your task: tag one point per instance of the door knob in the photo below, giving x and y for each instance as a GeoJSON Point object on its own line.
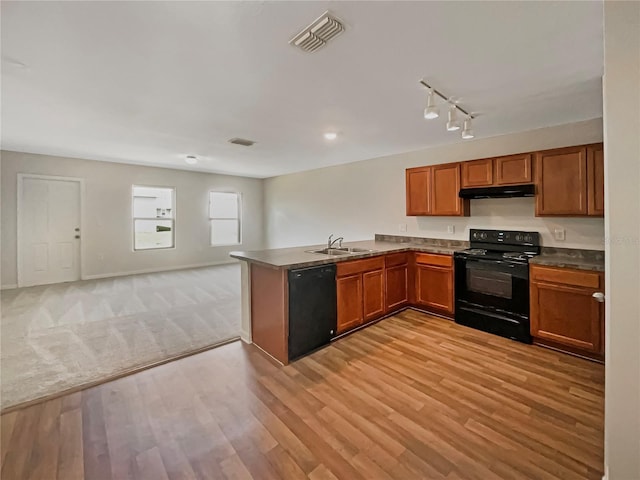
{"type": "Point", "coordinates": [77, 229]}
{"type": "Point", "coordinates": [77, 236]}
{"type": "Point", "coordinates": [599, 296]}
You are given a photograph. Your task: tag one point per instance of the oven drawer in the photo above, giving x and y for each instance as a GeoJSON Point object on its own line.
{"type": "Point", "coordinates": [565, 276]}
{"type": "Point", "coordinates": [434, 259]}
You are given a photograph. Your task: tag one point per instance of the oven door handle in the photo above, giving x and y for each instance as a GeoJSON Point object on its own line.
{"type": "Point", "coordinates": [491, 262]}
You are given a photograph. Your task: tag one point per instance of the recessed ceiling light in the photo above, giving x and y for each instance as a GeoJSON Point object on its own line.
{"type": "Point", "coordinates": [330, 135]}
{"type": "Point", "coordinates": [191, 160]}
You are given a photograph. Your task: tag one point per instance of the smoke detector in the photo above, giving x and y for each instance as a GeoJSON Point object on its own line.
{"type": "Point", "coordinates": [242, 141]}
{"type": "Point", "coordinates": [317, 34]}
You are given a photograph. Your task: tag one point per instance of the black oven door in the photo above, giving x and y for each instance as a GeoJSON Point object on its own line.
{"type": "Point", "coordinates": [495, 285]}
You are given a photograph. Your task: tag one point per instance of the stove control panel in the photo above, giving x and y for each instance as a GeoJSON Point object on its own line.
{"type": "Point", "coordinates": [508, 237]}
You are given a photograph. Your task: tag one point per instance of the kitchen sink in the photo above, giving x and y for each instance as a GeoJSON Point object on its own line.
{"type": "Point", "coordinates": [330, 251]}
{"type": "Point", "coordinates": [356, 250]}
{"type": "Point", "coordinates": [340, 251]}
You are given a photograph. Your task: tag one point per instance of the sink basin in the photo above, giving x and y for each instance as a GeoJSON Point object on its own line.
{"type": "Point", "coordinates": [356, 250]}
{"type": "Point", "coordinates": [330, 251]}
{"type": "Point", "coordinates": [341, 251]}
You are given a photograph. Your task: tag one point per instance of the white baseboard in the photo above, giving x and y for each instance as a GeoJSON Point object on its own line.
{"type": "Point", "coordinates": [157, 270]}
{"type": "Point", "coordinates": [9, 286]}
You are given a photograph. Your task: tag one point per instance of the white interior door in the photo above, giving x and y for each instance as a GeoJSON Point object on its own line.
{"type": "Point", "coordinates": [49, 231]}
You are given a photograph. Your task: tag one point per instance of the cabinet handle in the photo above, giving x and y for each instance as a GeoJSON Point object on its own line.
{"type": "Point", "coordinates": [599, 296]}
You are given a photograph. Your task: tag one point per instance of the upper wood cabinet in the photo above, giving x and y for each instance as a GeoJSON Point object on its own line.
{"type": "Point", "coordinates": [489, 172]}
{"type": "Point", "coordinates": [513, 170]}
{"type": "Point", "coordinates": [434, 191]}
{"type": "Point", "coordinates": [561, 182]}
{"type": "Point", "coordinates": [445, 186]}
{"type": "Point", "coordinates": [570, 181]}
{"type": "Point", "coordinates": [564, 312]}
{"type": "Point", "coordinates": [477, 173]}
{"type": "Point", "coordinates": [595, 180]}
{"type": "Point", "coordinates": [418, 191]}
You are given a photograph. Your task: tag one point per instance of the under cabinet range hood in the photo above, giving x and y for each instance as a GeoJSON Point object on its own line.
{"type": "Point", "coordinates": [528, 190]}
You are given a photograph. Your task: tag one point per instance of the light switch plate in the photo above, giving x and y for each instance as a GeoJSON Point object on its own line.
{"type": "Point", "coordinates": [402, 227]}
{"type": "Point", "coordinates": [559, 234]}
{"type": "Point", "coordinates": [451, 229]}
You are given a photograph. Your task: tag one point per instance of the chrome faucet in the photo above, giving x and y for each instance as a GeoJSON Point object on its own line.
{"type": "Point", "coordinates": [331, 243]}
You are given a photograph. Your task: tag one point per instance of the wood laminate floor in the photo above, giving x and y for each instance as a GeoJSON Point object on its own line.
{"type": "Point", "coordinates": [413, 397]}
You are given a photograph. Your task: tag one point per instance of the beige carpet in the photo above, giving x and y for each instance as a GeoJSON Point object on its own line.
{"type": "Point", "coordinates": [61, 336]}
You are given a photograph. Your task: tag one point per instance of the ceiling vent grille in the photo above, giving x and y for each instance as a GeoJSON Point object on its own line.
{"type": "Point", "coordinates": [242, 141]}
{"type": "Point", "coordinates": [317, 34]}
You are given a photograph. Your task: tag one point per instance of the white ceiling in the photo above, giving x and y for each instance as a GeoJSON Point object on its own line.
{"type": "Point", "coordinates": [151, 82]}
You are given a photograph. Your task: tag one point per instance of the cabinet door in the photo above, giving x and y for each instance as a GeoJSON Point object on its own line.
{"type": "Point", "coordinates": [434, 287]}
{"type": "Point", "coordinates": [567, 315]}
{"type": "Point", "coordinates": [595, 182]}
{"type": "Point", "coordinates": [373, 294]}
{"type": "Point", "coordinates": [445, 186]}
{"type": "Point", "coordinates": [349, 299]}
{"type": "Point", "coordinates": [561, 179]}
{"type": "Point", "coordinates": [396, 283]}
{"type": "Point", "coordinates": [477, 173]}
{"type": "Point", "coordinates": [513, 169]}
{"type": "Point", "coordinates": [418, 188]}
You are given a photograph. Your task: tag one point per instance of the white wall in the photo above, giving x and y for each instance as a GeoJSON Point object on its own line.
{"type": "Point", "coordinates": [107, 228]}
{"type": "Point", "coordinates": [622, 192]}
{"type": "Point", "coordinates": [360, 199]}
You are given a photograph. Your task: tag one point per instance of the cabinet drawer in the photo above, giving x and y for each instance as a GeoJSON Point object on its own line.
{"type": "Point", "coordinates": [360, 266]}
{"type": "Point", "coordinates": [434, 259]}
{"type": "Point", "coordinates": [394, 259]}
{"type": "Point", "coordinates": [566, 276]}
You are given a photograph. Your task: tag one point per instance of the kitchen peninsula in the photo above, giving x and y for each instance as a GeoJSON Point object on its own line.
{"type": "Point", "coordinates": [369, 284]}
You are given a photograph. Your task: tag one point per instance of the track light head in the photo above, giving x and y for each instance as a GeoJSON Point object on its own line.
{"type": "Point", "coordinates": [467, 131]}
{"type": "Point", "coordinates": [453, 124]}
{"type": "Point", "coordinates": [431, 111]}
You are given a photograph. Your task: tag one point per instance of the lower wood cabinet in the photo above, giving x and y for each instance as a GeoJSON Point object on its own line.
{"type": "Point", "coordinates": [434, 282]}
{"type": "Point", "coordinates": [349, 298]}
{"type": "Point", "coordinates": [564, 311]}
{"type": "Point", "coordinates": [360, 292]}
{"type": "Point", "coordinates": [372, 294]}
{"type": "Point", "coordinates": [396, 282]}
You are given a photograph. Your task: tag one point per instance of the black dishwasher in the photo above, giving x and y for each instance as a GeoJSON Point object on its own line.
{"type": "Point", "coordinates": [312, 309]}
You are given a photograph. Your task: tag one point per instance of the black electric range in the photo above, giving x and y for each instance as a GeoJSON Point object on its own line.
{"type": "Point", "coordinates": [492, 282]}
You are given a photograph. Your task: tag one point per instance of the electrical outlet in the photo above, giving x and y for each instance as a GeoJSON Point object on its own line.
{"type": "Point", "coordinates": [451, 229]}
{"type": "Point", "coordinates": [402, 227]}
{"type": "Point", "coordinates": [559, 234]}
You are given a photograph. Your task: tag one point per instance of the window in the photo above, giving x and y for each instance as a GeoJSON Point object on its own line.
{"type": "Point", "coordinates": [153, 217]}
{"type": "Point", "coordinates": [224, 216]}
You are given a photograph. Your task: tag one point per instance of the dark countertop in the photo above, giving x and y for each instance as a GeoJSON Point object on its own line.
{"type": "Point", "coordinates": [578, 261]}
{"type": "Point", "coordinates": [298, 257]}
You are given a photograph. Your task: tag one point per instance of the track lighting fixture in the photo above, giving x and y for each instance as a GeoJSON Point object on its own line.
{"type": "Point", "coordinates": [453, 123]}
{"type": "Point", "coordinates": [467, 131]}
{"type": "Point", "coordinates": [431, 111]}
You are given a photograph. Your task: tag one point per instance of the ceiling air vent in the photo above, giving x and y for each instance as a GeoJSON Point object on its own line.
{"type": "Point", "coordinates": [318, 33]}
{"type": "Point", "coordinates": [242, 141]}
